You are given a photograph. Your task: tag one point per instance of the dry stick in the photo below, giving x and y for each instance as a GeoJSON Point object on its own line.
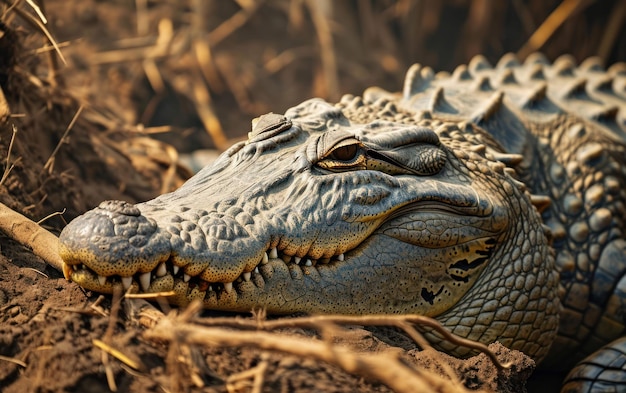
{"type": "Point", "coordinates": [116, 354]}
{"type": "Point", "coordinates": [143, 20]}
{"type": "Point", "coordinates": [169, 176]}
{"type": "Point", "coordinates": [106, 349]}
{"type": "Point", "coordinates": [201, 47]}
{"type": "Point", "coordinates": [49, 216]}
{"type": "Point", "coordinates": [53, 65]}
{"type": "Point", "coordinates": [202, 101]}
{"type": "Point", "coordinates": [525, 16]}
{"type": "Point", "coordinates": [48, 165]}
{"type": "Point", "coordinates": [327, 50]}
{"type": "Point", "coordinates": [26, 232]}
{"type": "Point", "coordinates": [37, 24]}
{"type": "Point", "coordinates": [8, 167]}
{"type": "Point", "coordinates": [13, 360]}
{"type": "Point", "coordinates": [616, 20]}
{"type": "Point", "coordinates": [399, 321]}
{"type": "Point", "coordinates": [233, 23]}
{"type": "Point", "coordinates": [238, 88]}
{"type": "Point", "coordinates": [286, 57]}
{"type": "Point", "coordinates": [384, 367]}
{"type": "Point", "coordinates": [159, 49]}
{"type": "Point", "coordinates": [149, 317]}
{"type": "Point", "coordinates": [549, 26]}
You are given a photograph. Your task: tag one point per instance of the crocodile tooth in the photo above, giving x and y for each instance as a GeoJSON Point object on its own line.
{"type": "Point", "coordinates": [297, 260]}
{"type": "Point", "coordinates": [286, 258]}
{"type": "Point", "coordinates": [246, 276]}
{"type": "Point", "coordinates": [161, 270]}
{"type": "Point", "coordinates": [274, 253]}
{"type": "Point", "coordinates": [175, 269]}
{"type": "Point", "coordinates": [210, 288]}
{"type": "Point", "coordinates": [308, 263]}
{"type": "Point", "coordinates": [126, 281]}
{"type": "Point", "coordinates": [102, 279]}
{"type": "Point", "coordinates": [265, 258]}
{"type": "Point", "coordinates": [340, 257]}
{"type": "Point", "coordinates": [67, 271]}
{"type": "Point", "coordinates": [256, 270]}
{"type": "Point", "coordinates": [186, 277]}
{"type": "Point", "coordinates": [144, 280]}
{"type": "Point", "coordinates": [228, 286]}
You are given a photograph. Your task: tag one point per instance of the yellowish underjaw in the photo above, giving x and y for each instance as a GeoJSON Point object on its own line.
{"type": "Point", "coordinates": [144, 281]}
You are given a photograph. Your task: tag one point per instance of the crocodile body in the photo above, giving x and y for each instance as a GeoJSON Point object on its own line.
{"type": "Point", "coordinates": [492, 199]}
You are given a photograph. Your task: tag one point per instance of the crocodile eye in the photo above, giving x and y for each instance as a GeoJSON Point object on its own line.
{"type": "Point", "coordinates": [344, 153]}
{"type": "Point", "coordinates": [347, 155]}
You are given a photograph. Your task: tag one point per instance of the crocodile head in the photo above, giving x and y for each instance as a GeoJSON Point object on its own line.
{"type": "Point", "coordinates": [325, 210]}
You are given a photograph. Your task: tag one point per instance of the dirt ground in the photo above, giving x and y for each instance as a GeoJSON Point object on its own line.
{"type": "Point", "coordinates": [134, 81]}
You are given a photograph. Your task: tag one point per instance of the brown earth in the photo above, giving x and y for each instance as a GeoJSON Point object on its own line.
{"type": "Point", "coordinates": [68, 140]}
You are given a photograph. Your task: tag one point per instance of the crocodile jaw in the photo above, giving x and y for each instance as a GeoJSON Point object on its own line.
{"type": "Point", "coordinates": [278, 275]}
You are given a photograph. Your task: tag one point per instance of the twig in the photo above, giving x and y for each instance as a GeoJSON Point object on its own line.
{"type": "Point", "coordinates": [26, 232]}
{"type": "Point", "coordinates": [108, 371]}
{"type": "Point", "coordinates": [549, 26]}
{"type": "Point", "coordinates": [143, 20]}
{"type": "Point", "coordinates": [613, 27]}
{"type": "Point", "coordinates": [238, 86]}
{"type": "Point", "coordinates": [13, 360]}
{"type": "Point", "coordinates": [286, 57]}
{"type": "Point", "coordinates": [8, 167]}
{"type": "Point", "coordinates": [160, 48]}
{"type": "Point", "coordinates": [385, 367]}
{"type": "Point", "coordinates": [399, 321]}
{"type": "Point", "coordinates": [49, 216]}
{"type": "Point", "coordinates": [37, 271]}
{"type": "Point", "coordinates": [48, 165]}
{"type": "Point", "coordinates": [117, 354]}
{"type": "Point", "coordinates": [327, 51]}
{"type": "Point", "coordinates": [236, 382]}
{"type": "Point", "coordinates": [233, 23]}
{"type": "Point", "coordinates": [37, 24]}
{"type": "Point", "coordinates": [170, 174]}
{"type": "Point", "coordinates": [202, 101]}
{"type": "Point", "coordinates": [108, 350]}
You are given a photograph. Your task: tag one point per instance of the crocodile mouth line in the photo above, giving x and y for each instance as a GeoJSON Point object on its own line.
{"type": "Point", "coordinates": [168, 274]}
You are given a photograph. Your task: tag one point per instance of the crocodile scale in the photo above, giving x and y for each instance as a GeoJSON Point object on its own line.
{"type": "Point", "coordinates": [491, 198]}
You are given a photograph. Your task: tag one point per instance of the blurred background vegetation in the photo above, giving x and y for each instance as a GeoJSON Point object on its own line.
{"type": "Point", "coordinates": [182, 68]}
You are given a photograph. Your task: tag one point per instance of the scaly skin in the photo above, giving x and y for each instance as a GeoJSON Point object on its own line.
{"type": "Point", "coordinates": [411, 202]}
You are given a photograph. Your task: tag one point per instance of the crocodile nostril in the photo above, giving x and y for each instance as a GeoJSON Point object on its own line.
{"type": "Point", "coordinates": [120, 207]}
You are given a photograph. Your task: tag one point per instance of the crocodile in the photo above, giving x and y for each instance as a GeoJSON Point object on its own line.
{"type": "Point", "coordinates": [491, 198]}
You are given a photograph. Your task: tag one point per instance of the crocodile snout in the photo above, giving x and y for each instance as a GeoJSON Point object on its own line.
{"type": "Point", "coordinates": [114, 238]}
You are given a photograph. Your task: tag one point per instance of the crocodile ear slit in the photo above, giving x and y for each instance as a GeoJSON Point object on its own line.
{"type": "Point", "coordinates": [267, 126]}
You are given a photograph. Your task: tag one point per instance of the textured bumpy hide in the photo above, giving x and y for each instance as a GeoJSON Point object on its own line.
{"type": "Point", "coordinates": [492, 199]}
